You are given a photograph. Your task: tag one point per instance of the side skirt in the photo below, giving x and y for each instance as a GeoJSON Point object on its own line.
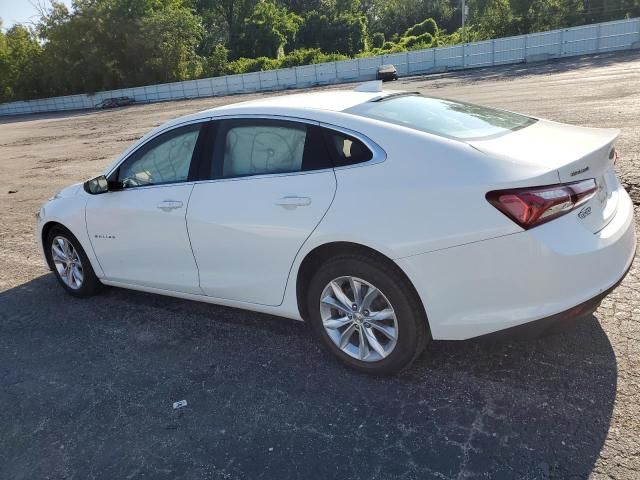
{"type": "Point", "coordinates": [254, 307]}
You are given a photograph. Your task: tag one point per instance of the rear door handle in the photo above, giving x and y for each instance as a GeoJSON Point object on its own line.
{"type": "Point", "coordinates": [293, 202]}
{"type": "Point", "coordinates": [168, 205]}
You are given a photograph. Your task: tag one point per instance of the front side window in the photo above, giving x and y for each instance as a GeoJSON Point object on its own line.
{"type": "Point", "coordinates": [165, 159]}
{"type": "Point", "coordinates": [461, 121]}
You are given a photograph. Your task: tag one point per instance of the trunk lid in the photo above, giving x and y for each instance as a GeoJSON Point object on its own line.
{"type": "Point", "coordinates": [575, 153]}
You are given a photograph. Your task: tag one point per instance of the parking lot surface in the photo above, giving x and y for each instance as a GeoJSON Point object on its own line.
{"type": "Point", "coordinates": [87, 386]}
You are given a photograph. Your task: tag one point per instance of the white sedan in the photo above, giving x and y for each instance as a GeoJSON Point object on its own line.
{"type": "Point", "coordinates": [385, 219]}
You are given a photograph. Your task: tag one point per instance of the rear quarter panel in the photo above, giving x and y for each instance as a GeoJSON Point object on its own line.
{"type": "Point", "coordinates": [427, 195]}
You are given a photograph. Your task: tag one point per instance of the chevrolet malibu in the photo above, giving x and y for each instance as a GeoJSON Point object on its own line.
{"type": "Point", "coordinates": [385, 219]}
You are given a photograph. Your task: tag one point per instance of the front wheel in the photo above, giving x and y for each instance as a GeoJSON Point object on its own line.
{"type": "Point", "coordinates": [70, 263]}
{"type": "Point", "coordinates": [367, 313]}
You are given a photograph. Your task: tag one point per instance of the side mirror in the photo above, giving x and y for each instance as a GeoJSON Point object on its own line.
{"type": "Point", "coordinates": [96, 185]}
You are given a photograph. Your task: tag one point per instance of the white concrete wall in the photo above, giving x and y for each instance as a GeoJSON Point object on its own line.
{"type": "Point", "coordinates": [600, 37]}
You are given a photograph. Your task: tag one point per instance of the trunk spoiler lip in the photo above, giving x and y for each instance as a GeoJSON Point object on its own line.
{"type": "Point", "coordinates": [498, 146]}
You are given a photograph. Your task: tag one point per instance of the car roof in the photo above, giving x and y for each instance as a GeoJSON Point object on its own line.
{"type": "Point", "coordinates": [334, 100]}
{"type": "Point", "coordinates": [301, 105]}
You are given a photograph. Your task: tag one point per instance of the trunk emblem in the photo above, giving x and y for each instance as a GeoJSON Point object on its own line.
{"type": "Point", "coordinates": [585, 212]}
{"type": "Point", "coordinates": [578, 172]}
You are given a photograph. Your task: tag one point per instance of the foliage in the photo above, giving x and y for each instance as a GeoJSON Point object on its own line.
{"type": "Point", "coordinates": [248, 65]}
{"type": "Point", "coordinates": [426, 26]}
{"type": "Point", "coordinates": [268, 30]}
{"type": "Point", "coordinates": [344, 33]}
{"type": "Point", "coordinates": [377, 40]}
{"type": "Point", "coordinates": [109, 44]}
{"type": "Point", "coordinates": [215, 64]}
{"type": "Point", "coordinates": [18, 75]}
{"type": "Point", "coordinates": [309, 56]}
{"type": "Point", "coordinates": [420, 41]}
{"type": "Point", "coordinates": [293, 59]}
{"type": "Point", "coordinates": [171, 55]}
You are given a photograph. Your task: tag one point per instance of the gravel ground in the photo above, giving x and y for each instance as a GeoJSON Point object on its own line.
{"type": "Point", "coordinates": [87, 386]}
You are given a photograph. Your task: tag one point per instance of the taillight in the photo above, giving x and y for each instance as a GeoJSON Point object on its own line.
{"type": "Point", "coordinates": [530, 207]}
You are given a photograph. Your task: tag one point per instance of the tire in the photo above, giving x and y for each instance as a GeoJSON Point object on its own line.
{"type": "Point", "coordinates": [90, 284]}
{"type": "Point", "coordinates": [409, 321]}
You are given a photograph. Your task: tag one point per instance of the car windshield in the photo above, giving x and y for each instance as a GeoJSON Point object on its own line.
{"type": "Point", "coordinates": [461, 121]}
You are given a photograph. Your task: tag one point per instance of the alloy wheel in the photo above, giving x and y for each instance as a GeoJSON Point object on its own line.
{"type": "Point", "coordinates": [359, 319]}
{"type": "Point", "coordinates": [67, 262]}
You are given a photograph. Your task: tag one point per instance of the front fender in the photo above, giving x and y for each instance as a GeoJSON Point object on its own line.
{"type": "Point", "coordinates": [68, 211]}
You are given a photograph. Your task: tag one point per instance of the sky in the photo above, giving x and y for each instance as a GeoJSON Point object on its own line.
{"type": "Point", "coordinates": [20, 11]}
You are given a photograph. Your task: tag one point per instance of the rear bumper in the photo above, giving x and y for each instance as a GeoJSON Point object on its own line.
{"type": "Point", "coordinates": [554, 323]}
{"type": "Point", "coordinates": [387, 76]}
{"type": "Point", "coordinates": [543, 273]}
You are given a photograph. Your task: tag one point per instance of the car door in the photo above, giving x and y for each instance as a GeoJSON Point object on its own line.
{"type": "Point", "coordinates": [271, 183]}
{"type": "Point", "coordinates": [138, 230]}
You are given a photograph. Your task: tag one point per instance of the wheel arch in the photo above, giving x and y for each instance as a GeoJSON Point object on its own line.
{"type": "Point", "coordinates": [44, 234]}
{"type": "Point", "coordinates": [315, 257]}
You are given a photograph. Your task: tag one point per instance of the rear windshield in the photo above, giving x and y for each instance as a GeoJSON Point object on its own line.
{"type": "Point", "coordinates": [461, 121]}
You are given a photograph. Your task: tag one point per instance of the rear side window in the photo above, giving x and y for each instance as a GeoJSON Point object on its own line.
{"type": "Point", "coordinates": [346, 150]}
{"type": "Point", "coordinates": [461, 121]}
{"type": "Point", "coordinates": [259, 149]}
{"type": "Point", "coordinates": [262, 146]}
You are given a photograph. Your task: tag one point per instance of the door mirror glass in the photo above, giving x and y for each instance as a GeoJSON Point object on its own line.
{"type": "Point", "coordinates": [96, 185]}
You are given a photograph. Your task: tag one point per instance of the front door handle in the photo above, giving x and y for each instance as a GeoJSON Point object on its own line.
{"type": "Point", "coordinates": [293, 202]}
{"type": "Point", "coordinates": [168, 205]}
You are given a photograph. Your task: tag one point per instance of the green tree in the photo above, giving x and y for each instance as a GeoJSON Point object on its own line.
{"type": "Point", "coordinates": [19, 55]}
{"type": "Point", "coordinates": [169, 39]}
{"type": "Point", "coordinates": [345, 33]}
{"type": "Point", "coordinates": [492, 17]}
{"type": "Point", "coordinates": [268, 30]}
{"type": "Point", "coordinates": [396, 16]}
{"type": "Point", "coordinates": [107, 44]}
{"type": "Point", "coordinates": [216, 63]}
{"type": "Point", "coordinates": [349, 32]}
{"type": "Point", "coordinates": [377, 40]}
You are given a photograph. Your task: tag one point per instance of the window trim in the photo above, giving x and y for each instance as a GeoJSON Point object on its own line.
{"type": "Point", "coordinates": [379, 154]}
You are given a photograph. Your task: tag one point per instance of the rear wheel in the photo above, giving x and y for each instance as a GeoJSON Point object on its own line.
{"type": "Point", "coordinates": [367, 314]}
{"type": "Point", "coordinates": [70, 263]}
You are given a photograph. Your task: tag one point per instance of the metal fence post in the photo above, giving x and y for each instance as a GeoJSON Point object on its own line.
{"type": "Point", "coordinates": [493, 51]}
